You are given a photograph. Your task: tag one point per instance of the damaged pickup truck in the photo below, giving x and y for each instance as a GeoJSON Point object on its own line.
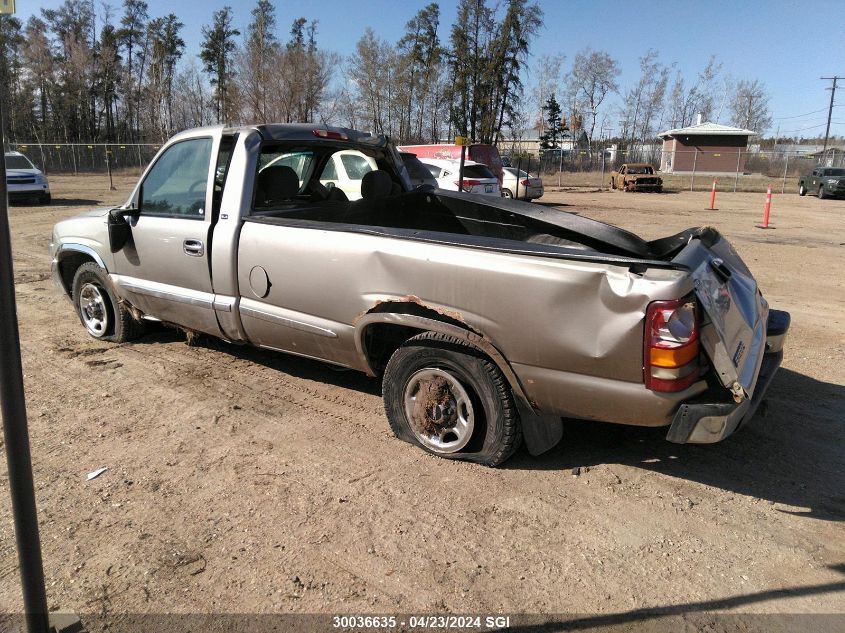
{"type": "Point", "coordinates": [490, 320]}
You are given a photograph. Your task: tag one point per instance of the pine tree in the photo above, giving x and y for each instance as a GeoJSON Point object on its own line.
{"type": "Point", "coordinates": [555, 124]}
{"type": "Point", "coordinates": [217, 46]}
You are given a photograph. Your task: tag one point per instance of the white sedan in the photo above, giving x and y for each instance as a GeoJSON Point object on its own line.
{"type": "Point", "coordinates": [477, 177]}
{"type": "Point", "coordinates": [528, 187]}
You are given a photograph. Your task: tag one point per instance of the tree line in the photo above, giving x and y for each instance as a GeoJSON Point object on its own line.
{"type": "Point", "coordinates": [74, 74]}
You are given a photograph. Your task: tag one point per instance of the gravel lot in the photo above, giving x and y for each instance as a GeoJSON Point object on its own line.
{"type": "Point", "coordinates": [244, 481]}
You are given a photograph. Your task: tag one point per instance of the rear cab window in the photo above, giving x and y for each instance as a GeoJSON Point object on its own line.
{"type": "Point", "coordinates": [327, 165]}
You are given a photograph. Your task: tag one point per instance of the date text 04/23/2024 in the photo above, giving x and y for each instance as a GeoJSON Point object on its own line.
{"type": "Point", "coordinates": [357, 622]}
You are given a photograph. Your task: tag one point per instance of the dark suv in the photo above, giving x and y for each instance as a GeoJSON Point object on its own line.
{"type": "Point", "coordinates": [826, 182]}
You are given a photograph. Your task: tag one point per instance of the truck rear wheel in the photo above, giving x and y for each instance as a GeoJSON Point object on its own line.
{"type": "Point", "coordinates": [449, 399]}
{"type": "Point", "coordinates": [99, 310]}
{"type": "Point", "coordinates": [802, 190]}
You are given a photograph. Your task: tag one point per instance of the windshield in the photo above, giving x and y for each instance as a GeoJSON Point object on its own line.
{"type": "Point", "coordinates": [834, 172]}
{"type": "Point", "coordinates": [18, 162]}
{"type": "Point", "coordinates": [522, 174]}
{"type": "Point", "coordinates": [640, 169]}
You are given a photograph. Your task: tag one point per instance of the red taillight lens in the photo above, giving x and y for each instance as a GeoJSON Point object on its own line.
{"type": "Point", "coordinates": [670, 353]}
{"type": "Point", "coordinates": [338, 136]}
{"type": "Point", "coordinates": [469, 183]}
{"type": "Point", "coordinates": [524, 183]}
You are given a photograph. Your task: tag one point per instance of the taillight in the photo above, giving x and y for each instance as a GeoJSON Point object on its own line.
{"type": "Point", "coordinates": [670, 354]}
{"type": "Point", "coordinates": [524, 183]}
{"type": "Point", "coordinates": [469, 183]}
{"type": "Point", "coordinates": [338, 136]}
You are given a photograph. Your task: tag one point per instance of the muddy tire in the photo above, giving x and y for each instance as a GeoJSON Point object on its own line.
{"type": "Point", "coordinates": [449, 399]}
{"type": "Point", "coordinates": [98, 309]}
{"type": "Point", "coordinates": [45, 199]}
{"type": "Point", "coordinates": [507, 193]}
{"type": "Point", "coordinates": [802, 190]}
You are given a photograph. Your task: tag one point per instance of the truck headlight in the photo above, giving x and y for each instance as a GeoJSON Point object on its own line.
{"type": "Point", "coordinates": [831, 181]}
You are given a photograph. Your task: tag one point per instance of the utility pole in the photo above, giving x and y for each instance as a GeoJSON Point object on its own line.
{"type": "Point", "coordinates": [829, 111]}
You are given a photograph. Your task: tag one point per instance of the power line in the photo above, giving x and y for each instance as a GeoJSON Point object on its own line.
{"type": "Point", "coordinates": [798, 116]}
{"type": "Point", "coordinates": [801, 129]}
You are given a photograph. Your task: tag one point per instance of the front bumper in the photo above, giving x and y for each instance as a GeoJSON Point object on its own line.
{"type": "Point", "coordinates": [707, 419]}
{"type": "Point", "coordinates": [634, 186]}
{"type": "Point", "coordinates": [27, 191]}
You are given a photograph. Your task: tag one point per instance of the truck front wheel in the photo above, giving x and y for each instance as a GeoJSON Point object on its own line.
{"type": "Point", "coordinates": [446, 397]}
{"type": "Point", "coordinates": [99, 310]}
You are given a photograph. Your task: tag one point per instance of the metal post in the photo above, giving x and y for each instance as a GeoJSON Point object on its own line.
{"type": "Point", "coordinates": [560, 162]}
{"type": "Point", "coordinates": [518, 169]}
{"type": "Point", "coordinates": [785, 167]}
{"type": "Point", "coordinates": [694, 161]}
{"type": "Point", "coordinates": [601, 181]}
{"type": "Point", "coordinates": [460, 168]}
{"type": "Point", "coordinates": [738, 161]}
{"type": "Point", "coordinates": [108, 166]}
{"type": "Point", "coordinates": [43, 160]}
{"type": "Point", "coordinates": [13, 407]}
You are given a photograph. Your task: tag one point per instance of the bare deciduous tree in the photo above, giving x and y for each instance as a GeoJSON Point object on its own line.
{"type": "Point", "coordinates": [593, 76]}
{"type": "Point", "coordinates": [749, 106]}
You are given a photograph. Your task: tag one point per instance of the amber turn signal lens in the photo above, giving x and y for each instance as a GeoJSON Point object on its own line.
{"type": "Point", "coordinates": [674, 357]}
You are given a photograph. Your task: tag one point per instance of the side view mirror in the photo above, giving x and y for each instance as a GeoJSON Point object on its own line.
{"type": "Point", "coordinates": [119, 229]}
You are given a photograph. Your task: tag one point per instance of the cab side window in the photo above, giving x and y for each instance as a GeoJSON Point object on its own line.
{"type": "Point", "coordinates": [177, 183]}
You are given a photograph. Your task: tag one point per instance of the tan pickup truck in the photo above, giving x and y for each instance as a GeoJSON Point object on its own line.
{"type": "Point", "coordinates": [489, 320]}
{"type": "Point", "coordinates": [636, 177]}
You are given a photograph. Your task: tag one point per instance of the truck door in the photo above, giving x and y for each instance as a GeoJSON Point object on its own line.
{"type": "Point", "coordinates": [164, 268]}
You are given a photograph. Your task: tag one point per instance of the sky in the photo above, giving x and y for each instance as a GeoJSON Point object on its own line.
{"type": "Point", "coordinates": [765, 40]}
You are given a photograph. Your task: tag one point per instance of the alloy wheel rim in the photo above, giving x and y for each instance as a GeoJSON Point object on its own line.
{"type": "Point", "coordinates": [92, 309]}
{"type": "Point", "coordinates": [452, 422]}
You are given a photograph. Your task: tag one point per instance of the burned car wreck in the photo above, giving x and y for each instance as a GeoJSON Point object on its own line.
{"type": "Point", "coordinates": [489, 320]}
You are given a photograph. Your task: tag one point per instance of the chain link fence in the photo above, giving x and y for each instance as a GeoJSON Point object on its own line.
{"type": "Point", "coordinates": [733, 169]}
{"type": "Point", "coordinates": [577, 168]}
{"type": "Point", "coordinates": [88, 158]}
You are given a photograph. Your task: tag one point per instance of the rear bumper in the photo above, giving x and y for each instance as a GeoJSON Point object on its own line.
{"type": "Point", "coordinates": [706, 420]}
{"type": "Point", "coordinates": [530, 193]}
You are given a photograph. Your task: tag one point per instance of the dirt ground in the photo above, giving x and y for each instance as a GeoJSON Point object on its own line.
{"type": "Point", "coordinates": [245, 481]}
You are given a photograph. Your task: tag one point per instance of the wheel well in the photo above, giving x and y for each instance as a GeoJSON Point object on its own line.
{"type": "Point", "coordinates": [68, 265]}
{"type": "Point", "coordinates": [382, 334]}
{"type": "Point", "coordinates": [382, 339]}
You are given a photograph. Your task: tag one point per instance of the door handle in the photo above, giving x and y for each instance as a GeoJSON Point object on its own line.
{"type": "Point", "coordinates": [194, 248]}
